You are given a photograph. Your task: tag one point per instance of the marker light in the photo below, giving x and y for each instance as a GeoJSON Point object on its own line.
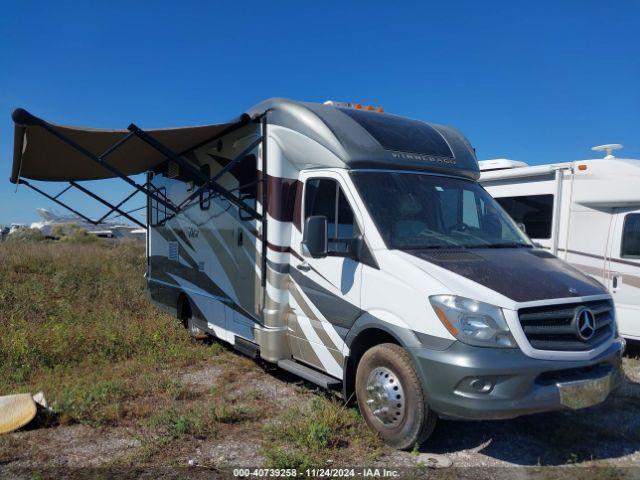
{"type": "Point", "coordinates": [582, 167]}
{"type": "Point", "coordinates": [355, 106]}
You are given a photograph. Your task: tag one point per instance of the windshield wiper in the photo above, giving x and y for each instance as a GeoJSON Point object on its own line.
{"type": "Point", "coordinates": [506, 245]}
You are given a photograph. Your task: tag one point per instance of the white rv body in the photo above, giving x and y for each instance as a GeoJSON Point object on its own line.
{"type": "Point", "coordinates": [588, 214]}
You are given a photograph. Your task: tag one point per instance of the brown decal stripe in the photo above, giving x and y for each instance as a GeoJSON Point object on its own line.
{"type": "Point", "coordinates": [632, 280]}
{"type": "Point", "coordinates": [281, 248]}
{"type": "Point", "coordinates": [283, 198]}
{"type": "Point", "coordinates": [600, 257]}
{"type": "Point", "coordinates": [278, 248]}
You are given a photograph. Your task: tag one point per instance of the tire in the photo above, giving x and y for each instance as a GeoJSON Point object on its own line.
{"type": "Point", "coordinates": [195, 332]}
{"type": "Point", "coordinates": [386, 371]}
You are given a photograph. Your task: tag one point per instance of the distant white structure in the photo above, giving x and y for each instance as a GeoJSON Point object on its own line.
{"type": "Point", "coordinates": [104, 229]}
{"type": "Point", "coordinates": [586, 212]}
{"type": "Point", "coordinates": [14, 227]}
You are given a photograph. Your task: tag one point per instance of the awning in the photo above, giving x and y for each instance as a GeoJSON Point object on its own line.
{"type": "Point", "coordinates": [42, 150]}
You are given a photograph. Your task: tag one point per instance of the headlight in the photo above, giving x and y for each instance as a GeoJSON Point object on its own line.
{"type": "Point", "coordinates": [473, 322]}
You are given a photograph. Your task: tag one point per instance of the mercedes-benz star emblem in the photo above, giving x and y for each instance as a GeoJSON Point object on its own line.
{"type": "Point", "coordinates": [585, 323]}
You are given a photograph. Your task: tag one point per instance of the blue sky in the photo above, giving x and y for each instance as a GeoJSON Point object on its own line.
{"type": "Point", "coordinates": [534, 81]}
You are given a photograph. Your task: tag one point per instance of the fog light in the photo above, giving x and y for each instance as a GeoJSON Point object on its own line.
{"type": "Point", "coordinates": [481, 385]}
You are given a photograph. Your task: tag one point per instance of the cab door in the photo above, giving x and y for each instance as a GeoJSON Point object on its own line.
{"type": "Point", "coordinates": [624, 272]}
{"type": "Point", "coordinates": [325, 292]}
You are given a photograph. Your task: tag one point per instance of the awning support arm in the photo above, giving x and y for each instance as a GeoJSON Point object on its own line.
{"type": "Point", "coordinates": [55, 199]}
{"type": "Point", "coordinates": [104, 202]}
{"type": "Point", "coordinates": [64, 190]}
{"type": "Point", "coordinates": [183, 162]}
{"type": "Point", "coordinates": [125, 200]}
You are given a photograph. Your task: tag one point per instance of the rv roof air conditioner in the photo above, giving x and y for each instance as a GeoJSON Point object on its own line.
{"type": "Point", "coordinates": [500, 164]}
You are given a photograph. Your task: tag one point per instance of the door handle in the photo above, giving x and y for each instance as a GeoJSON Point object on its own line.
{"type": "Point", "coordinates": [240, 238]}
{"type": "Point", "coordinates": [616, 280]}
{"type": "Point", "coordinates": [303, 267]}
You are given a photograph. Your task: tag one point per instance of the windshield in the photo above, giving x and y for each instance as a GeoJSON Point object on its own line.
{"type": "Point", "coordinates": [416, 211]}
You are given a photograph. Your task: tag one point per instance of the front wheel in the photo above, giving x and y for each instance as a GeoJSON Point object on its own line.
{"type": "Point", "coordinates": [391, 398]}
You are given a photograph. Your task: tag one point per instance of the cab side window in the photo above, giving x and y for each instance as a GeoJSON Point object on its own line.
{"type": "Point", "coordinates": [323, 196]}
{"type": "Point", "coordinates": [631, 236]}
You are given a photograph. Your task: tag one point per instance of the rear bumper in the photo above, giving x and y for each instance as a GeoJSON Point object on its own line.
{"type": "Point", "coordinates": [491, 383]}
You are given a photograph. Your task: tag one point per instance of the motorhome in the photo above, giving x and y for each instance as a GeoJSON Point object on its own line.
{"type": "Point", "coordinates": [586, 212]}
{"type": "Point", "coordinates": [356, 249]}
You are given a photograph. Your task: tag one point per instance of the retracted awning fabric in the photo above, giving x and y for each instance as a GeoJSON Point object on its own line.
{"type": "Point", "coordinates": [39, 154]}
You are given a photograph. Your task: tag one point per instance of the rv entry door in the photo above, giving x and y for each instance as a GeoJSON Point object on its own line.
{"type": "Point", "coordinates": [325, 291]}
{"type": "Point", "coordinates": [624, 272]}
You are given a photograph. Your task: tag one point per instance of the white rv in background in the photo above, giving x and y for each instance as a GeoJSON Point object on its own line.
{"type": "Point", "coordinates": [585, 212]}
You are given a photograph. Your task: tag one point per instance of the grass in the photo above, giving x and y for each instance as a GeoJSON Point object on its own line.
{"type": "Point", "coordinates": [76, 324]}
{"type": "Point", "coordinates": [176, 424]}
{"type": "Point", "coordinates": [325, 430]}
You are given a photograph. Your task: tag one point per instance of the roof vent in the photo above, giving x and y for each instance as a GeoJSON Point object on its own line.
{"type": "Point", "coordinates": [499, 164]}
{"type": "Point", "coordinates": [609, 147]}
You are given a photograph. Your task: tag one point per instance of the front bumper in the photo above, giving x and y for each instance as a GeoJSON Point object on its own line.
{"type": "Point", "coordinates": [493, 383]}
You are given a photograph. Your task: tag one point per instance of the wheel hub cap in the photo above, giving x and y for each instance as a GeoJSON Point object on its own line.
{"type": "Point", "coordinates": [385, 396]}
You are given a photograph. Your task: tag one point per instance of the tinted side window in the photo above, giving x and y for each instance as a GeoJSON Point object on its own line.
{"type": "Point", "coordinates": [320, 199]}
{"type": "Point", "coordinates": [534, 211]}
{"type": "Point", "coordinates": [325, 197]}
{"type": "Point", "coordinates": [631, 236]}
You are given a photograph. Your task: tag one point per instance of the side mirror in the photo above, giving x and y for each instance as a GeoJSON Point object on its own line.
{"type": "Point", "coordinates": [314, 239]}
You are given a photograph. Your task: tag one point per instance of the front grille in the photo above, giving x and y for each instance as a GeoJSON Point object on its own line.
{"type": "Point", "coordinates": [553, 327]}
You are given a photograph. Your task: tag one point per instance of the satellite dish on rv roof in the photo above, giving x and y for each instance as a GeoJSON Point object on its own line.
{"type": "Point", "coordinates": [499, 164]}
{"type": "Point", "coordinates": [609, 147]}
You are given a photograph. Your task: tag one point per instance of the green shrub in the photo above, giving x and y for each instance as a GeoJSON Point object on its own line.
{"type": "Point", "coordinates": [26, 235]}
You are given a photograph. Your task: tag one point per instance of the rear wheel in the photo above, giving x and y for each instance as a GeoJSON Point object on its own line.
{"type": "Point", "coordinates": [195, 332]}
{"type": "Point", "coordinates": [189, 320]}
{"type": "Point", "coordinates": [391, 398]}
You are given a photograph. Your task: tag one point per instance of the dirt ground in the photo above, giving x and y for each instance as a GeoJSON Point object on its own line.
{"type": "Point", "coordinates": [600, 442]}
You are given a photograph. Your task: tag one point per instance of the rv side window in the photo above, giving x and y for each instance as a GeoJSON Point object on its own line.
{"type": "Point", "coordinates": [631, 236]}
{"type": "Point", "coordinates": [324, 197]}
{"type": "Point", "coordinates": [534, 211]}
